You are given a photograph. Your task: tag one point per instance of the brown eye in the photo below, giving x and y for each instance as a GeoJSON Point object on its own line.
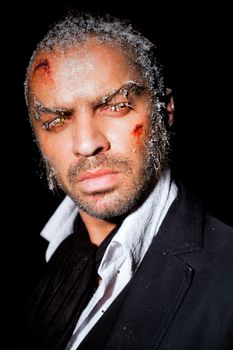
{"type": "Point", "coordinates": [117, 109]}
{"type": "Point", "coordinates": [118, 106]}
{"type": "Point", "coordinates": [59, 121]}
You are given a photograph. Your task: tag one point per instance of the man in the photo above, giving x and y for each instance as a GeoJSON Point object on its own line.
{"type": "Point", "coordinates": [134, 262]}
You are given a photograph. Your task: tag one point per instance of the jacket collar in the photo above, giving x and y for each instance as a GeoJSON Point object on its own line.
{"type": "Point", "coordinates": [141, 315]}
{"type": "Point", "coordinates": [182, 228]}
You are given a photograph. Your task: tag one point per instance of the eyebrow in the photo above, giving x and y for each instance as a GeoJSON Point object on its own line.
{"type": "Point", "coordinates": [130, 86]}
{"type": "Point", "coordinates": [125, 89]}
{"type": "Point", "coordinates": [40, 108]}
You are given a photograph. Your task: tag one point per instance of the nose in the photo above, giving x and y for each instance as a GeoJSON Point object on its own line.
{"type": "Point", "coordinates": [88, 138]}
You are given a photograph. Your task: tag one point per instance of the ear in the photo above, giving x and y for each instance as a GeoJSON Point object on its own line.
{"type": "Point", "coordinates": [170, 106]}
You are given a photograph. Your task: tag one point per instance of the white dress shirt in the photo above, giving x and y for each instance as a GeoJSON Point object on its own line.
{"type": "Point", "coordinates": [123, 254]}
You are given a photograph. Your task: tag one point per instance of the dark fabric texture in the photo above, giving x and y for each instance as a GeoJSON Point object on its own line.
{"type": "Point", "coordinates": [67, 286]}
{"type": "Point", "coordinates": [181, 297]}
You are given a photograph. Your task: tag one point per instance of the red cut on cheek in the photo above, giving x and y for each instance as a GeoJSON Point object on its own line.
{"type": "Point", "coordinates": [137, 132]}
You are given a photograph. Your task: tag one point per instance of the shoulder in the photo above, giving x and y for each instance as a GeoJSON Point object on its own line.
{"type": "Point", "coordinates": [216, 227]}
{"type": "Point", "coordinates": [194, 225]}
{"type": "Point", "coordinates": [213, 261]}
{"type": "Point", "coordinates": [218, 238]}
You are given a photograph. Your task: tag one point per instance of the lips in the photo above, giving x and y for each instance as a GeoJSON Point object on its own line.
{"type": "Point", "coordinates": [98, 180]}
{"type": "Point", "coordinates": [96, 173]}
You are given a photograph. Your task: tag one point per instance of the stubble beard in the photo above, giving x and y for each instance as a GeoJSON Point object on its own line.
{"type": "Point", "coordinates": [120, 201]}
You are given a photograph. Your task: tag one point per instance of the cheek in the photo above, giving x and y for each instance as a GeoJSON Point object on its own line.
{"type": "Point", "coordinates": [57, 151]}
{"type": "Point", "coordinates": [137, 133]}
{"type": "Point", "coordinates": [127, 139]}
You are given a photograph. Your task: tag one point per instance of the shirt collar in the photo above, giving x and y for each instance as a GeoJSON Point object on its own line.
{"type": "Point", "coordinates": [60, 225]}
{"type": "Point", "coordinates": [136, 231]}
{"type": "Point", "coordinates": [139, 228]}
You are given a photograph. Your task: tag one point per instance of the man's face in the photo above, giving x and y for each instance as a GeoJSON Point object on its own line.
{"type": "Point", "coordinates": [91, 117]}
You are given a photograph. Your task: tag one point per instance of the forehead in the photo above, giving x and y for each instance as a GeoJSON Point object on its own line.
{"type": "Point", "coordinates": [84, 70]}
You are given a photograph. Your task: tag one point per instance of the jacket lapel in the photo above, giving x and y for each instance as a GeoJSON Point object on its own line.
{"type": "Point", "coordinates": [153, 298]}
{"type": "Point", "coordinates": [141, 315]}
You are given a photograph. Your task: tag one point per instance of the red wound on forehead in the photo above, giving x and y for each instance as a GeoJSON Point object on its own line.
{"type": "Point", "coordinates": [43, 66]}
{"type": "Point", "coordinates": [43, 63]}
{"type": "Point", "coordinates": [137, 132]}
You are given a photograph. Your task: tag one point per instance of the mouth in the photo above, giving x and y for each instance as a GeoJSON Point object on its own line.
{"type": "Point", "coordinates": [98, 180]}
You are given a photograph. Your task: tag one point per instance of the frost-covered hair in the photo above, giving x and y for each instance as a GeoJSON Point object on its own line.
{"type": "Point", "coordinates": [118, 33]}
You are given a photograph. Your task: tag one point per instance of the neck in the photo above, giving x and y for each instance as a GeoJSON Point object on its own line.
{"type": "Point", "coordinates": [98, 229]}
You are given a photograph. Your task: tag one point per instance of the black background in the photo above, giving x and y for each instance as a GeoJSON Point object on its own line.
{"type": "Point", "coordinates": [195, 47]}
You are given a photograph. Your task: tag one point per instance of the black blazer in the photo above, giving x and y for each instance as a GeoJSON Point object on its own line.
{"type": "Point", "coordinates": [181, 297]}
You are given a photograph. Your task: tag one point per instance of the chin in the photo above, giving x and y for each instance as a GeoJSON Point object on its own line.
{"type": "Point", "coordinates": [108, 206]}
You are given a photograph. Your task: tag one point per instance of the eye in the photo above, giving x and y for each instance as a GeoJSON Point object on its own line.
{"type": "Point", "coordinates": [117, 109]}
{"type": "Point", "coordinates": [51, 124]}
